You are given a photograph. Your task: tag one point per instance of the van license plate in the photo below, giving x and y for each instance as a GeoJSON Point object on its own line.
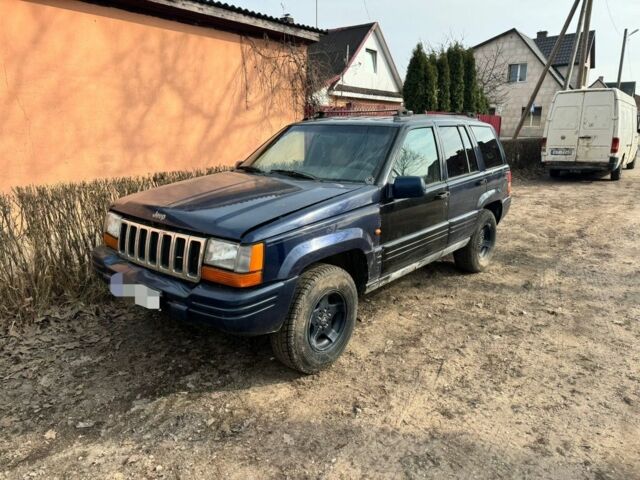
{"type": "Point", "coordinates": [562, 151]}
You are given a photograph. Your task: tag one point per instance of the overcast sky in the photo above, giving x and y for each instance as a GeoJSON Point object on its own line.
{"type": "Point", "coordinates": [405, 22]}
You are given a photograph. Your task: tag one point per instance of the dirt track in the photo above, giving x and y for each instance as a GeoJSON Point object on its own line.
{"type": "Point", "coordinates": [531, 370]}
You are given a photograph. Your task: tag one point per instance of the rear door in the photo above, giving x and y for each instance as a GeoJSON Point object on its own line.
{"type": "Point", "coordinates": [465, 180]}
{"type": "Point", "coordinates": [492, 156]}
{"type": "Point", "coordinates": [564, 126]}
{"type": "Point", "coordinates": [596, 127]}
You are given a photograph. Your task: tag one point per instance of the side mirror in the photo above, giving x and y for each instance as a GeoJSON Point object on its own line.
{"type": "Point", "coordinates": [408, 187]}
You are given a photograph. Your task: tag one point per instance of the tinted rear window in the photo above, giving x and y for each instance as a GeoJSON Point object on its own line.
{"type": "Point", "coordinates": [454, 151]}
{"type": "Point", "coordinates": [488, 146]}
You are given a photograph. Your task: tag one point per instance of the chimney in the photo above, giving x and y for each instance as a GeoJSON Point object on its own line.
{"type": "Point", "coordinates": [601, 78]}
{"type": "Point", "coordinates": [287, 18]}
{"type": "Point", "coordinates": [541, 34]}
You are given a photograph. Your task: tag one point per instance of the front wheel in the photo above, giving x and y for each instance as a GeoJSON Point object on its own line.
{"type": "Point", "coordinates": [631, 165]}
{"type": "Point", "coordinates": [320, 321]}
{"type": "Point", "coordinates": [476, 255]}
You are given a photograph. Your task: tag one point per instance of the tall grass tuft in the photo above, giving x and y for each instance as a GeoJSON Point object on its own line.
{"type": "Point", "coordinates": [46, 237]}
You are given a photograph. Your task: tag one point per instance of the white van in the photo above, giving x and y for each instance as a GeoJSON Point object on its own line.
{"type": "Point", "coordinates": [591, 130]}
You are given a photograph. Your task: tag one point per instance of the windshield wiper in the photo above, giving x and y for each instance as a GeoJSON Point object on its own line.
{"type": "Point", "coordinates": [249, 168]}
{"type": "Point", "coordinates": [294, 173]}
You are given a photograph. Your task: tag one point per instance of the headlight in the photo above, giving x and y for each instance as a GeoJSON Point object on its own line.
{"type": "Point", "coordinates": [234, 257]}
{"type": "Point", "coordinates": [112, 223]}
{"type": "Point", "coordinates": [221, 254]}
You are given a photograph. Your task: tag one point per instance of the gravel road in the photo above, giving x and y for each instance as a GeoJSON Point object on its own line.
{"type": "Point", "coordinates": [530, 370]}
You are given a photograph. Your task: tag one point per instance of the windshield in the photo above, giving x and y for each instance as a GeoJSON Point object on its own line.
{"type": "Point", "coordinates": [352, 153]}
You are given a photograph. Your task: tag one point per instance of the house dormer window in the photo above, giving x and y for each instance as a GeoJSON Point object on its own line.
{"type": "Point", "coordinates": [517, 72]}
{"type": "Point", "coordinates": [373, 59]}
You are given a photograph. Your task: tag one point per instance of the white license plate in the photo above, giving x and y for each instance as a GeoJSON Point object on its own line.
{"type": "Point", "coordinates": [562, 151]}
{"type": "Point", "coordinates": [142, 295]}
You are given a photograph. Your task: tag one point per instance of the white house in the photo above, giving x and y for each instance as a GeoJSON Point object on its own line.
{"type": "Point", "coordinates": [353, 66]}
{"type": "Point", "coordinates": [513, 62]}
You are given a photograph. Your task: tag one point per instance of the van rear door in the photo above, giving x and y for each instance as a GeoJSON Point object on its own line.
{"type": "Point", "coordinates": [563, 127]}
{"type": "Point", "coordinates": [596, 126]}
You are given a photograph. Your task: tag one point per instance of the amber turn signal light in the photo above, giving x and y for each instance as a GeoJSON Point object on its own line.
{"type": "Point", "coordinates": [109, 241]}
{"type": "Point", "coordinates": [232, 279]}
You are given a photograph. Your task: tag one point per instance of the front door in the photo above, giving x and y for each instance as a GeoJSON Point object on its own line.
{"type": "Point", "coordinates": [413, 228]}
{"type": "Point", "coordinates": [466, 182]}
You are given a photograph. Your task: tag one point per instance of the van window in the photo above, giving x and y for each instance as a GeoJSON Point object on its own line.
{"type": "Point", "coordinates": [488, 146]}
{"type": "Point", "coordinates": [418, 156]}
{"type": "Point", "coordinates": [565, 118]}
{"type": "Point", "coordinates": [454, 151]}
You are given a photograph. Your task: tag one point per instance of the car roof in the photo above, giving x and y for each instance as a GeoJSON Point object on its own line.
{"type": "Point", "coordinates": [397, 121]}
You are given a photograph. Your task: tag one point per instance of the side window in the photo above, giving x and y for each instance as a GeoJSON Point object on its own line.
{"type": "Point", "coordinates": [468, 146]}
{"type": "Point", "coordinates": [488, 146]}
{"type": "Point", "coordinates": [454, 151]}
{"type": "Point", "coordinates": [418, 156]}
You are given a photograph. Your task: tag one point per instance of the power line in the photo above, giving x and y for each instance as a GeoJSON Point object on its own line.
{"type": "Point", "coordinates": [615, 27]}
{"type": "Point", "coordinates": [366, 9]}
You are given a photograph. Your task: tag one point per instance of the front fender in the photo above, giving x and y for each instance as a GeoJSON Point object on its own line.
{"type": "Point", "coordinates": [315, 249]}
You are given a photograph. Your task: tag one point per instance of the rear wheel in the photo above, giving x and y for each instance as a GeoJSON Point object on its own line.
{"type": "Point", "coordinates": [320, 322]}
{"type": "Point", "coordinates": [476, 255]}
{"type": "Point", "coordinates": [615, 174]}
{"type": "Point", "coordinates": [632, 165]}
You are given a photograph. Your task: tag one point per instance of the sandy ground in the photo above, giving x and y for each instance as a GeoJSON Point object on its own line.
{"type": "Point", "coordinates": [530, 370]}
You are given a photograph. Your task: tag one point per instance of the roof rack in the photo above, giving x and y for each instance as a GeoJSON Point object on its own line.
{"type": "Point", "coordinates": [402, 114]}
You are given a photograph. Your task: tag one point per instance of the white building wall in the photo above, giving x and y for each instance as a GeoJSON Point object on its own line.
{"type": "Point", "coordinates": [361, 74]}
{"type": "Point", "coordinates": [516, 95]}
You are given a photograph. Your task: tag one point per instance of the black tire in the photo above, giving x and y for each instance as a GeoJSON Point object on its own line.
{"type": "Point", "coordinates": [615, 174]}
{"type": "Point", "coordinates": [632, 165]}
{"type": "Point", "coordinates": [315, 334]}
{"type": "Point", "coordinates": [553, 173]}
{"type": "Point", "coordinates": [476, 255]}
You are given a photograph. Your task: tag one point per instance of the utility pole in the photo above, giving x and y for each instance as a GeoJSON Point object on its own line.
{"type": "Point", "coordinates": [624, 44]}
{"type": "Point", "coordinates": [316, 13]}
{"type": "Point", "coordinates": [547, 67]}
{"type": "Point", "coordinates": [582, 74]}
{"type": "Point", "coordinates": [576, 44]}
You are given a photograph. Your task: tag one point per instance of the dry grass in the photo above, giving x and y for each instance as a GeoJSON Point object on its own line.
{"type": "Point", "coordinates": [46, 237]}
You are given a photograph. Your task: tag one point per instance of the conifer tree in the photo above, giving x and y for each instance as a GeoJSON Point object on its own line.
{"type": "Point", "coordinates": [431, 82]}
{"type": "Point", "coordinates": [444, 92]}
{"type": "Point", "coordinates": [414, 90]}
{"type": "Point", "coordinates": [455, 58]}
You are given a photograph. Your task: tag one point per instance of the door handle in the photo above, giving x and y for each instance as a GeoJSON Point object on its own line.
{"type": "Point", "coordinates": [442, 194]}
{"type": "Point", "coordinates": [586, 137]}
{"type": "Point", "coordinates": [481, 182]}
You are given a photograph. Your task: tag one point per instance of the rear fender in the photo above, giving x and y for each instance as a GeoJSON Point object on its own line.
{"type": "Point", "coordinates": [490, 196]}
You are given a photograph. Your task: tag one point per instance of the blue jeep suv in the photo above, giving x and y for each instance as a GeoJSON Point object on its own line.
{"type": "Point", "coordinates": [326, 210]}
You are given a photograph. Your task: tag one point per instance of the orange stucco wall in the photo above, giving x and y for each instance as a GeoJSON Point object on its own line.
{"type": "Point", "coordinates": [89, 91]}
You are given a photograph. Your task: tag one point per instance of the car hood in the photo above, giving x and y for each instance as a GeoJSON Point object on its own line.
{"type": "Point", "coordinates": [229, 204]}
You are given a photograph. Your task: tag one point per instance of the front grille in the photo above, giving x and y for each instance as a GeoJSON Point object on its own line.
{"type": "Point", "coordinates": [167, 252]}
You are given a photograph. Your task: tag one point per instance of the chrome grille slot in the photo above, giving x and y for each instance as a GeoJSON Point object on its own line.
{"type": "Point", "coordinates": [168, 252]}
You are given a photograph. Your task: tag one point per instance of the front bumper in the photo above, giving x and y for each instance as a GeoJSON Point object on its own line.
{"type": "Point", "coordinates": [245, 311]}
